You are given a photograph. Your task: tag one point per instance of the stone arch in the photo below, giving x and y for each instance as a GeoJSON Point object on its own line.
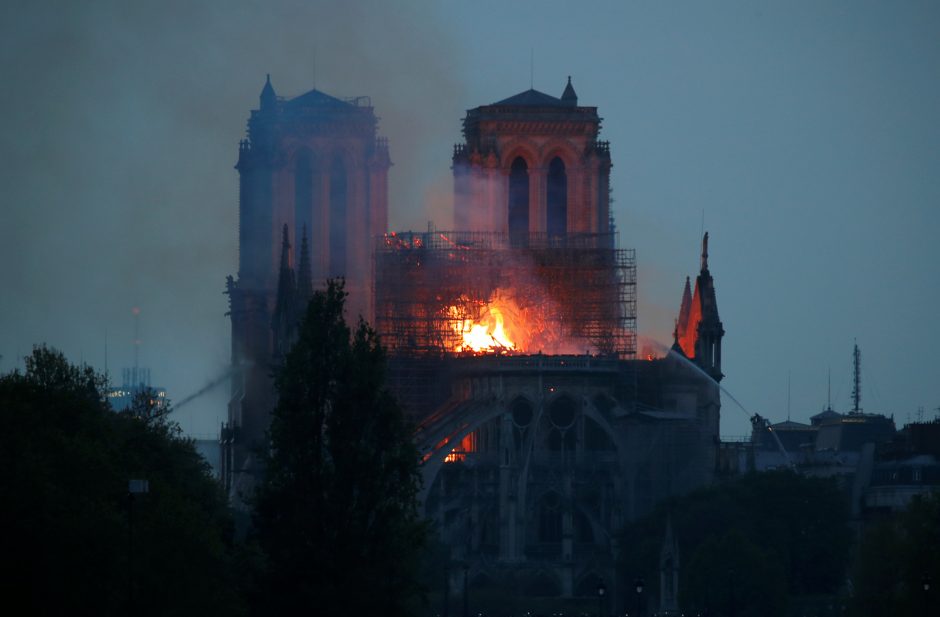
{"type": "Point", "coordinates": [517, 148]}
{"type": "Point", "coordinates": [522, 410]}
{"type": "Point", "coordinates": [437, 444]}
{"type": "Point", "coordinates": [562, 150]}
{"type": "Point", "coordinates": [563, 410]}
{"type": "Point", "coordinates": [556, 198]}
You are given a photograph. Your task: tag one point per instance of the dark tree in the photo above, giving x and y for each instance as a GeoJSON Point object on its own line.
{"type": "Point", "coordinates": [68, 546]}
{"type": "Point", "coordinates": [336, 513]}
{"type": "Point", "coordinates": [896, 557]}
{"type": "Point", "coordinates": [758, 544]}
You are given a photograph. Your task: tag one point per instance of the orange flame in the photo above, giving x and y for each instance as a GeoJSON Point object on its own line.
{"type": "Point", "coordinates": [467, 445]}
{"type": "Point", "coordinates": [502, 325]}
{"type": "Point", "coordinates": [486, 334]}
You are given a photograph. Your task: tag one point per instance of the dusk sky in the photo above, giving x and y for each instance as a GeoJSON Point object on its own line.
{"type": "Point", "coordinates": [806, 134]}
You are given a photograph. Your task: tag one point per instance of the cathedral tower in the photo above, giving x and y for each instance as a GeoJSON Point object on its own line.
{"type": "Point", "coordinates": [532, 163]}
{"type": "Point", "coordinates": [312, 165]}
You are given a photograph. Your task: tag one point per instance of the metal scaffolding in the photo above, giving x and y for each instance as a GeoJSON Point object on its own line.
{"type": "Point", "coordinates": [576, 289]}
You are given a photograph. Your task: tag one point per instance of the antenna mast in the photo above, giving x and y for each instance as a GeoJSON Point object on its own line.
{"type": "Point", "coordinates": [857, 380]}
{"type": "Point", "coordinates": [531, 68]}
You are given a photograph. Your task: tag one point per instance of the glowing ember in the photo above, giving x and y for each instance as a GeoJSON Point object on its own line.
{"type": "Point", "coordinates": [486, 334]}
{"type": "Point", "coordinates": [502, 325]}
{"type": "Point", "coordinates": [467, 445]}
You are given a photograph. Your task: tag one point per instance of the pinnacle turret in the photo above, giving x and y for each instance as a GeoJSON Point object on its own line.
{"type": "Point", "coordinates": [304, 277]}
{"type": "Point", "coordinates": [569, 96]}
{"type": "Point", "coordinates": [283, 321]}
{"type": "Point", "coordinates": [268, 96]}
{"type": "Point", "coordinates": [705, 252]}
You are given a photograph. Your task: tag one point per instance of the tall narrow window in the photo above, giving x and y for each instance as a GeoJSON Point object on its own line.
{"type": "Point", "coordinates": [338, 207]}
{"type": "Point", "coordinates": [518, 200]}
{"type": "Point", "coordinates": [303, 199]}
{"type": "Point", "coordinates": [557, 198]}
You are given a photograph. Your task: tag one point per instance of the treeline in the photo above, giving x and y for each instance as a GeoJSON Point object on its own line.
{"type": "Point", "coordinates": [751, 546]}
{"type": "Point", "coordinates": [73, 540]}
{"type": "Point", "coordinates": [334, 530]}
{"type": "Point", "coordinates": [781, 544]}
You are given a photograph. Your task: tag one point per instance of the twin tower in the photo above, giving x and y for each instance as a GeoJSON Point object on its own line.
{"type": "Point", "coordinates": [531, 164]}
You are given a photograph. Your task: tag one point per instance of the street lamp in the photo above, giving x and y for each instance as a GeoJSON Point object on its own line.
{"type": "Point", "coordinates": [638, 584]}
{"type": "Point", "coordinates": [601, 592]}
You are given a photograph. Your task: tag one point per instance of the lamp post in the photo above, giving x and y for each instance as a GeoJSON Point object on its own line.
{"type": "Point", "coordinates": [601, 592]}
{"type": "Point", "coordinates": [638, 585]}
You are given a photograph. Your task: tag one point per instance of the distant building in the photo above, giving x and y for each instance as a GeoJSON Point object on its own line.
{"type": "Point", "coordinates": [905, 466]}
{"type": "Point", "coordinates": [135, 381]}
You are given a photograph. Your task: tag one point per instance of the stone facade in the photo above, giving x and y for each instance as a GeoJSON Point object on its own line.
{"type": "Point", "coordinates": [312, 164]}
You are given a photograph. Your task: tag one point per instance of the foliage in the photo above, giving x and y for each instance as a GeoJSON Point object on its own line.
{"type": "Point", "coordinates": [336, 514]}
{"type": "Point", "coordinates": [733, 574]}
{"type": "Point", "coordinates": [894, 557]}
{"type": "Point", "coordinates": [776, 535]}
{"type": "Point", "coordinates": [68, 544]}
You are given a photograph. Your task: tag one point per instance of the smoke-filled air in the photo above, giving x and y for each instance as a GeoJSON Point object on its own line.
{"type": "Point", "coordinates": [804, 139]}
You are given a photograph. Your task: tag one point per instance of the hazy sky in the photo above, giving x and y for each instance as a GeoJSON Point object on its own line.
{"type": "Point", "coordinates": [807, 132]}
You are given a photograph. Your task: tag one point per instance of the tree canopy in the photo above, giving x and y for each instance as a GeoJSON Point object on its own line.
{"type": "Point", "coordinates": [336, 513]}
{"type": "Point", "coordinates": [749, 545]}
{"type": "Point", "coordinates": [74, 541]}
{"type": "Point", "coordinates": [896, 556]}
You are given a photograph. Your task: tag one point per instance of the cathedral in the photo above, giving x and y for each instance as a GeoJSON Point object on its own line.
{"type": "Point", "coordinates": [512, 338]}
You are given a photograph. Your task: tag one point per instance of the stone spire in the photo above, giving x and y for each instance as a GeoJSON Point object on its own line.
{"type": "Point", "coordinates": [283, 321]}
{"type": "Point", "coordinates": [705, 253]}
{"type": "Point", "coordinates": [708, 328]}
{"type": "Point", "coordinates": [304, 277]}
{"type": "Point", "coordinates": [268, 96]}
{"type": "Point", "coordinates": [569, 97]}
{"type": "Point", "coordinates": [683, 324]}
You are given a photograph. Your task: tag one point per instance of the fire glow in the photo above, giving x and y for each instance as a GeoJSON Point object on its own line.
{"type": "Point", "coordinates": [488, 333]}
{"type": "Point", "coordinates": [501, 325]}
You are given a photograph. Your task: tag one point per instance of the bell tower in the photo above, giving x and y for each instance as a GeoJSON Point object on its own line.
{"type": "Point", "coordinates": [313, 176]}
{"type": "Point", "coordinates": [532, 163]}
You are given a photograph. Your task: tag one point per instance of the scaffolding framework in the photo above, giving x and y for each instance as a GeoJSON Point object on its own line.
{"type": "Point", "coordinates": [575, 289]}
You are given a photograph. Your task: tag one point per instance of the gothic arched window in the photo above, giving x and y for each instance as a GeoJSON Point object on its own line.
{"type": "Point", "coordinates": [557, 198]}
